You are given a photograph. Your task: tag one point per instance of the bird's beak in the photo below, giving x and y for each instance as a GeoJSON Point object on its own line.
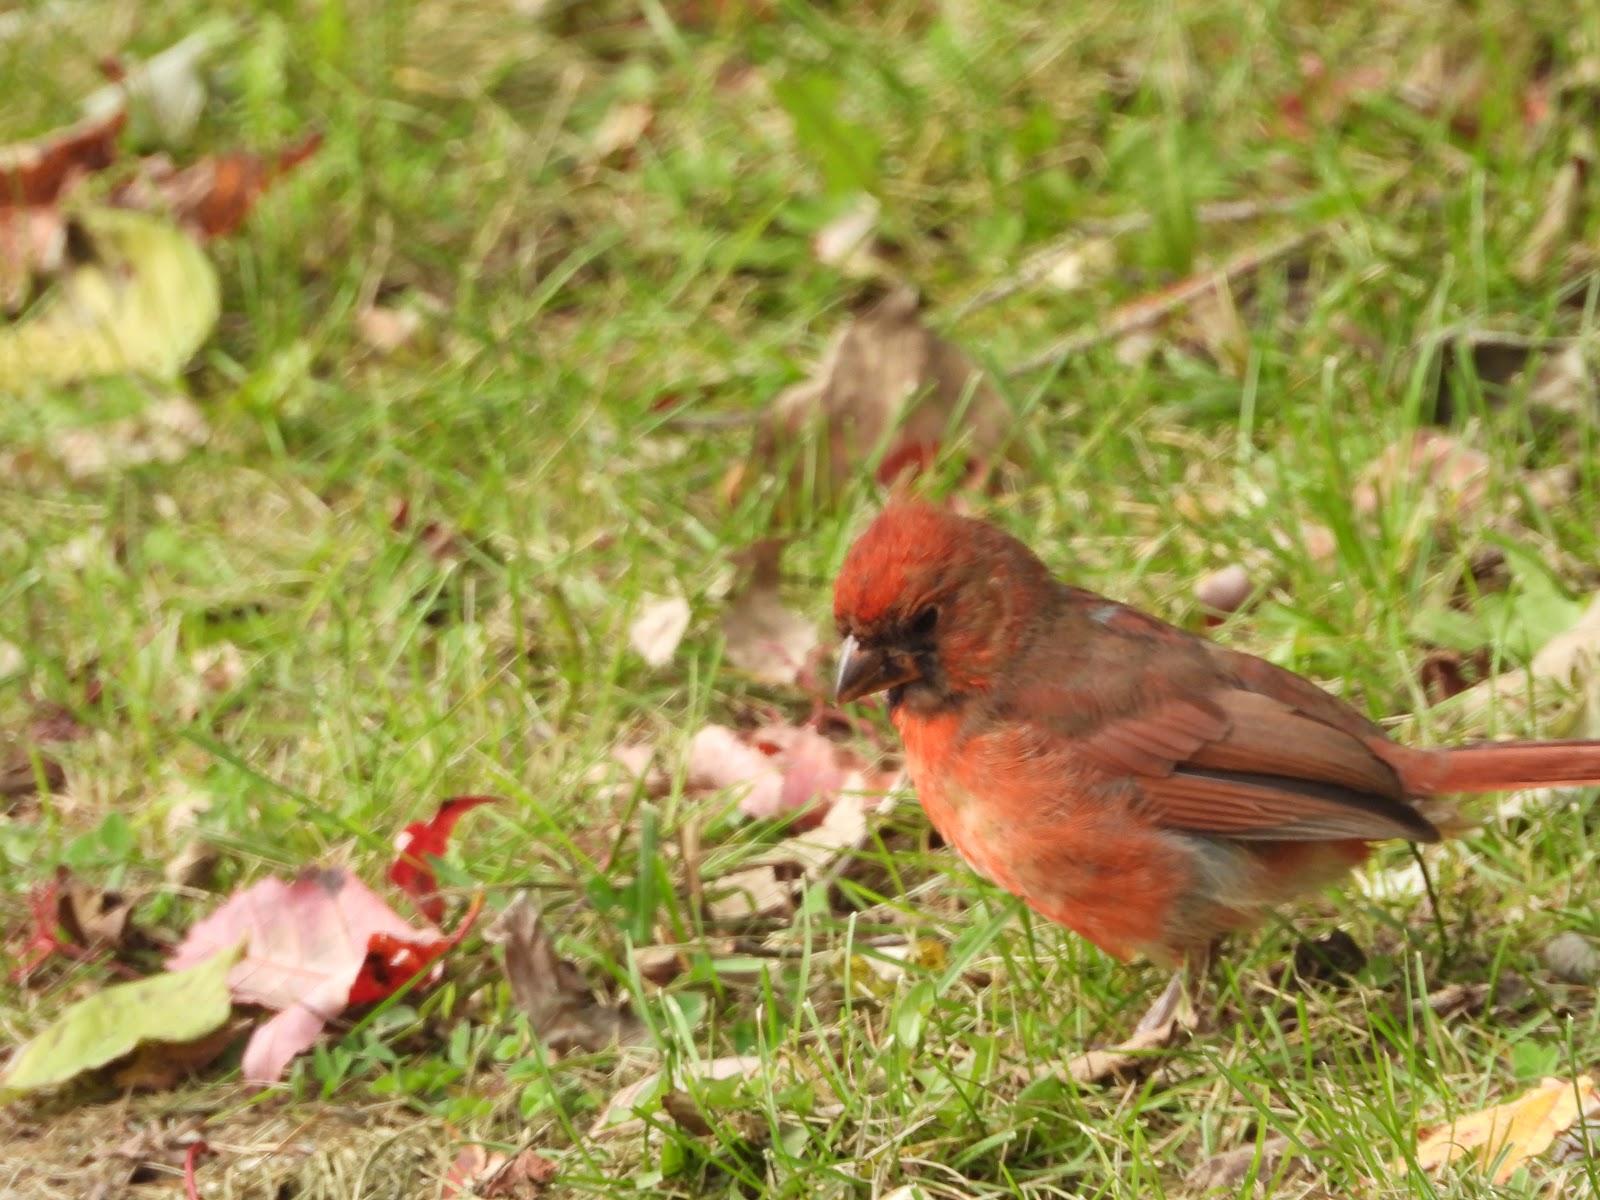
{"type": "Point", "coordinates": [864, 670]}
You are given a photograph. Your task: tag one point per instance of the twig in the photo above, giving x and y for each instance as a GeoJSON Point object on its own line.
{"type": "Point", "coordinates": [1041, 262]}
{"type": "Point", "coordinates": [1151, 310]}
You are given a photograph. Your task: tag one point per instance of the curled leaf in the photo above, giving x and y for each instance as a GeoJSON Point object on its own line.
{"type": "Point", "coordinates": [175, 1006]}
{"type": "Point", "coordinates": [411, 872]}
{"type": "Point", "coordinates": [142, 303]}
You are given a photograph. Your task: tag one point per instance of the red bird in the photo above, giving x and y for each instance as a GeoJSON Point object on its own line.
{"type": "Point", "coordinates": [1140, 785]}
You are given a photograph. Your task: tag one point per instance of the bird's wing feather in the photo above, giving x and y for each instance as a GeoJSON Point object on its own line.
{"type": "Point", "coordinates": [1244, 765]}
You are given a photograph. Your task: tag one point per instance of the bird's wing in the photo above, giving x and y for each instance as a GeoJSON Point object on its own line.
{"type": "Point", "coordinates": [1212, 740]}
{"type": "Point", "coordinates": [1240, 764]}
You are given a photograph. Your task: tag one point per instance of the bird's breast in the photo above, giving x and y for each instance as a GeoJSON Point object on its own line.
{"type": "Point", "coordinates": [1025, 814]}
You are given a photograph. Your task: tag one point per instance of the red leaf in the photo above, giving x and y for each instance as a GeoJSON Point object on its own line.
{"type": "Point", "coordinates": [214, 195]}
{"type": "Point", "coordinates": [411, 872]}
{"type": "Point", "coordinates": [390, 962]}
{"type": "Point", "coordinates": [308, 944]}
{"type": "Point", "coordinates": [39, 172]}
{"type": "Point", "coordinates": [44, 939]}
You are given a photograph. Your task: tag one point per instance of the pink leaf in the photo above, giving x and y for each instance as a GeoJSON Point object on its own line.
{"type": "Point", "coordinates": [307, 944]}
{"type": "Point", "coordinates": [410, 871]}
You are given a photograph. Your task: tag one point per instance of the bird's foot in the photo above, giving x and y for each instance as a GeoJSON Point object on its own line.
{"type": "Point", "coordinates": [1168, 1020]}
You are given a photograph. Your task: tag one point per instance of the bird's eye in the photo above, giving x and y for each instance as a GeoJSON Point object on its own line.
{"type": "Point", "coordinates": [923, 623]}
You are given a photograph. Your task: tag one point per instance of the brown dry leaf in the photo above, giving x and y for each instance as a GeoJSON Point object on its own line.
{"type": "Point", "coordinates": [96, 918]}
{"type": "Point", "coordinates": [1448, 471]}
{"type": "Point", "coordinates": [41, 171]}
{"type": "Point", "coordinates": [621, 128]}
{"type": "Point", "coordinates": [617, 1117]}
{"type": "Point", "coordinates": [1563, 211]}
{"type": "Point", "coordinates": [771, 889]}
{"type": "Point", "coordinates": [558, 1002]}
{"type": "Point", "coordinates": [1213, 322]}
{"type": "Point", "coordinates": [889, 384]}
{"type": "Point", "coordinates": [659, 627]}
{"type": "Point", "coordinates": [213, 196]}
{"type": "Point", "coordinates": [1229, 1169]}
{"type": "Point", "coordinates": [781, 769]}
{"type": "Point", "coordinates": [161, 1066]}
{"type": "Point", "coordinates": [33, 248]}
{"type": "Point", "coordinates": [1170, 1018]}
{"type": "Point", "coordinates": [387, 330]}
{"type": "Point", "coordinates": [492, 1175]}
{"type": "Point", "coordinates": [763, 637]}
{"type": "Point", "coordinates": [1564, 662]}
{"type": "Point", "coordinates": [1565, 384]}
{"type": "Point", "coordinates": [164, 433]}
{"type": "Point", "coordinates": [1508, 1135]}
{"type": "Point", "coordinates": [846, 241]}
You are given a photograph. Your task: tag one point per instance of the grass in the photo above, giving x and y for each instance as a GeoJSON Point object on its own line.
{"type": "Point", "coordinates": [578, 294]}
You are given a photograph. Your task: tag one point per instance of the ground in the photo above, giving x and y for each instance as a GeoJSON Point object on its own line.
{"type": "Point", "coordinates": [605, 214]}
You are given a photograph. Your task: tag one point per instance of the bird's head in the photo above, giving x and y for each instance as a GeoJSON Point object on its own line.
{"type": "Point", "coordinates": [931, 606]}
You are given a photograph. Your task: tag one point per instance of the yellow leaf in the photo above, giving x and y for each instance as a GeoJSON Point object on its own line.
{"type": "Point", "coordinates": [1508, 1135]}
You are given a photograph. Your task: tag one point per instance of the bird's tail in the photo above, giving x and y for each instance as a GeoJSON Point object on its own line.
{"type": "Point", "coordinates": [1498, 767]}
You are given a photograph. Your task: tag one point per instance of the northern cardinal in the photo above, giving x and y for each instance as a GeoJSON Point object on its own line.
{"type": "Point", "coordinates": [1139, 784]}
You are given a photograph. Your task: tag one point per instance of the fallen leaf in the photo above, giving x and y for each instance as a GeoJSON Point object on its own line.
{"type": "Point", "coordinates": [1453, 475]}
{"type": "Point", "coordinates": [846, 241]}
{"type": "Point", "coordinates": [165, 432]}
{"type": "Point", "coordinates": [40, 172]}
{"type": "Point", "coordinates": [213, 196]}
{"type": "Point", "coordinates": [1561, 664]}
{"type": "Point", "coordinates": [489, 1174]}
{"type": "Point", "coordinates": [619, 1116]}
{"type": "Point", "coordinates": [659, 627]}
{"type": "Point", "coordinates": [807, 857]}
{"type": "Point", "coordinates": [763, 637]}
{"type": "Point", "coordinates": [143, 304]}
{"type": "Point", "coordinates": [1572, 958]}
{"type": "Point", "coordinates": [1079, 264]}
{"type": "Point", "coordinates": [44, 932]}
{"type": "Point", "coordinates": [888, 388]}
{"type": "Point", "coordinates": [621, 128]}
{"type": "Point", "coordinates": [1564, 383]}
{"type": "Point", "coordinates": [1230, 1168]}
{"type": "Point", "coordinates": [310, 948]}
{"type": "Point", "coordinates": [560, 1006]}
{"type": "Point", "coordinates": [175, 1006]}
{"type": "Point", "coordinates": [33, 249]}
{"type": "Point", "coordinates": [411, 872]}
{"type": "Point", "coordinates": [164, 95]}
{"type": "Point", "coordinates": [1444, 673]}
{"type": "Point", "coordinates": [387, 329]}
{"type": "Point", "coordinates": [95, 918]}
{"type": "Point", "coordinates": [1563, 210]}
{"type": "Point", "coordinates": [1170, 1018]}
{"type": "Point", "coordinates": [1508, 1135]}
{"type": "Point", "coordinates": [160, 1066]}
{"type": "Point", "coordinates": [782, 768]}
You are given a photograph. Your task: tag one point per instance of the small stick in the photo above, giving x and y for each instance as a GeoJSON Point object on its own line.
{"type": "Point", "coordinates": [1151, 310]}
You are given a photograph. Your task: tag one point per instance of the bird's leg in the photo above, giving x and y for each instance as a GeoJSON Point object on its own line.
{"type": "Point", "coordinates": [1181, 1002]}
{"type": "Point", "coordinates": [1175, 1012]}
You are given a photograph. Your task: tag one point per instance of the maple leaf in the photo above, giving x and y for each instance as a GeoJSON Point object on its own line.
{"type": "Point", "coordinates": [411, 872]}
{"type": "Point", "coordinates": [314, 947]}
